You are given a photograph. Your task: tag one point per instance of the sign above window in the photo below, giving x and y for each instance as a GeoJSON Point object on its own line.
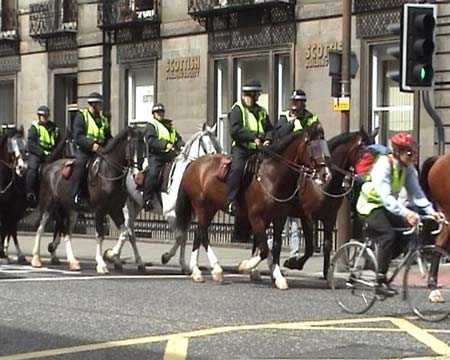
{"type": "Point", "coordinates": [183, 68]}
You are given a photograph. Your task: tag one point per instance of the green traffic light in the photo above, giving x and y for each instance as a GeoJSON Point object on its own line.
{"type": "Point", "coordinates": [422, 74]}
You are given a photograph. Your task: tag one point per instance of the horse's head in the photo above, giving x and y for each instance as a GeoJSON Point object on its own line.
{"type": "Point", "coordinates": [202, 143]}
{"type": "Point", "coordinates": [132, 147]}
{"type": "Point", "coordinates": [316, 154]}
{"type": "Point", "coordinates": [17, 152]}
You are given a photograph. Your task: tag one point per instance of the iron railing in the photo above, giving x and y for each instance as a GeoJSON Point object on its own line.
{"type": "Point", "coordinates": [8, 24]}
{"type": "Point", "coordinates": [113, 14]}
{"type": "Point", "coordinates": [53, 18]}
{"type": "Point", "coordinates": [205, 7]}
{"type": "Point", "coordinates": [367, 6]}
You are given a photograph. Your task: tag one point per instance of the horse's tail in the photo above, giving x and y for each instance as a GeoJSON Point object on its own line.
{"type": "Point", "coordinates": [428, 163]}
{"type": "Point", "coordinates": [183, 210]}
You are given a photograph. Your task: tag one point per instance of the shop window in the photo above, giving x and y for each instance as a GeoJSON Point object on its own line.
{"type": "Point", "coordinates": [141, 94]}
{"type": "Point", "coordinates": [392, 110]}
{"type": "Point", "coordinates": [7, 113]}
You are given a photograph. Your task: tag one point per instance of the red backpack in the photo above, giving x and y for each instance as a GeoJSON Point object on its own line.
{"type": "Point", "coordinates": [365, 164]}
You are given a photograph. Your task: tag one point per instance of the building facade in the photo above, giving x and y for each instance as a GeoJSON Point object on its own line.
{"type": "Point", "coordinates": [194, 55]}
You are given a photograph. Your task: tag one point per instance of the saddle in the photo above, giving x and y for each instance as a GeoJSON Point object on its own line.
{"type": "Point", "coordinates": [250, 169]}
{"type": "Point", "coordinates": [67, 168]}
{"type": "Point", "coordinates": [163, 177]}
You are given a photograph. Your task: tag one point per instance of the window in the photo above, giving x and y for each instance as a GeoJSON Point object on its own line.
{"type": "Point", "coordinates": [392, 110]}
{"type": "Point", "coordinates": [254, 69]}
{"type": "Point", "coordinates": [141, 94]}
{"type": "Point", "coordinates": [223, 106]}
{"type": "Point", "coordinates": [7, 113]}
{"type": "Point", "coordinates": [65, 99]}
{"type": "Point", "coordinates": [144, 8]}
{"type": "Point", "coordinates": [7, 18]}
{"type": "Point", "coordinates": [284, 85]}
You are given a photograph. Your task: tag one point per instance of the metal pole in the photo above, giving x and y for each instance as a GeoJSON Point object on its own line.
{"type": "Point", "coordinates": [106, 75]}
{"type": "Point", "coordinates": [344, 212]}
{"type": "Point", "coordinates": [437, 121]}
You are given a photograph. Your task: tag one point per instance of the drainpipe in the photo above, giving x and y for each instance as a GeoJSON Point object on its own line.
{"type": "Point", "coordinates": [437, 121]}
{"type": "Point", "coordinates": [106, 73]}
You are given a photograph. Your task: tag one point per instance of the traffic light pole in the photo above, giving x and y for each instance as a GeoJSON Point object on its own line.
{"type": "Point", "coordinates": [437, 121]}
{"type": "Point", "coordinates": [344, 213]}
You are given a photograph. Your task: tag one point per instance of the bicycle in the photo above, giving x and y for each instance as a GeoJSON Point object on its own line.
{"type": "Point", "coordinates": [426, 278]}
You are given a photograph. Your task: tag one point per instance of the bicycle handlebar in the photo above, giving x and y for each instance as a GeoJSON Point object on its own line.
{"type": "Point", "coordinates": [413, 229]}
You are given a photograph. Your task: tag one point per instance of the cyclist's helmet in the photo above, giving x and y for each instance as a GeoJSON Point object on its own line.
{"type": "Point", "coordinates": [403, 141]}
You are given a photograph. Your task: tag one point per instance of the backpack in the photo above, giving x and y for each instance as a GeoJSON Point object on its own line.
{"type": "Point", "coordinates": [364, 166]}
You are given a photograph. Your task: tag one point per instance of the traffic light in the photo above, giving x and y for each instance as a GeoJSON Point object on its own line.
{"type": "Point", "coordinates": [418, 44]}
{"type": "Point", "coordinates": [396, 51]}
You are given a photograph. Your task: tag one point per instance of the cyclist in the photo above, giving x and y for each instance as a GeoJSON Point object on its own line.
{"type": "Point", "coordinates": [379, 203]}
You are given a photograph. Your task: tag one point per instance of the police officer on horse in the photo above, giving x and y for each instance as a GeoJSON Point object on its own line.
{"type": "Point", "coordinates": [91, 131]}
{"type": "Point", "coordinates": [163, 143]}
{"type": "Point", "coordinates": [43, 136]}
{"type": "Point", "coordinates": [250, 130]}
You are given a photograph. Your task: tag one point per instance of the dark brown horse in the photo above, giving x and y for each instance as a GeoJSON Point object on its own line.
{"type": "Point", "coordinates": [435, 180]}
{"type": "Point", "coordinates": [323, 206]}
{"type": "Point", "coordinates": [105, 187]}
{"type": "Point", "coordinates": [280, 175]}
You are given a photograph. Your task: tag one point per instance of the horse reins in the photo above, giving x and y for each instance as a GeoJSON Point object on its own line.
{"type": "Point", "coordinates": [122, 169]}
{"type": "Point", "coordinates": [10, 167]}
{"type": "Point", "coordinates": [343, 172]}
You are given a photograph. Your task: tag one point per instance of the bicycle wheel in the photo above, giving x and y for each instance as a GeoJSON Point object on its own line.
{"type": "Point", "coordinates": [427, 283]}
{"type": "Point", "coordinates": [352, 276]}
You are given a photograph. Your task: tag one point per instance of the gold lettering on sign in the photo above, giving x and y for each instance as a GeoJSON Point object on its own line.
{"type": "Point", "coordinates": [183, 68]}
{"type": "Point", "coordinates": [316, 54]}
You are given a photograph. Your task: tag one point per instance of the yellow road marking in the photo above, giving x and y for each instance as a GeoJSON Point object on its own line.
{"type": "Point", "coordinates": [176, 348]}
{"type": "Point", "coordinates": [421, 334]}
{"type": "Point", "coordinates": [438, 346]}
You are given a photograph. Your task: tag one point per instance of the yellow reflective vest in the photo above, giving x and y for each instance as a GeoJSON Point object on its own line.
{"type": "Point", "coordinates": [163, 133]}
{"type": "Point", "coordinates": [369, 199]}
{"type": "Point", "coordinates": [251, 123]}
{"type": "Point", "coordinates": [307, 121]}
{"type": "Point", "coordinates": [95, 132]}
{"type": "Point", "coordinates": [47, 139]}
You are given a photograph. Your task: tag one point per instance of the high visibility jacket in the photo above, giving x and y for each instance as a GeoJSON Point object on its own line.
{"type": "Point", "coordinates": [47, 139]}
{"type": "Point", "coordinates": [164, 133]}
{"type": "Point", "coordinates": [252, 123]}
{"type": "Point", "coordinates": [369, 199]}
{"type": "Point", "coordinates": [94, 132]}
{"type": "Point", "coordinates": [302, 122]}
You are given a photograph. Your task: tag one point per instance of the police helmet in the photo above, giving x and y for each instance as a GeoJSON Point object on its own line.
{"type": "Point", "coordinates": [158, 107]}
{"type": "Point", "coordinates": [43, 110]}
{"type": "Point", "coordinates": [252, 86]}
{"type": "Point", "coordinates": [298, 94]}
{"type": "Point", "coordinates": [95, 97]}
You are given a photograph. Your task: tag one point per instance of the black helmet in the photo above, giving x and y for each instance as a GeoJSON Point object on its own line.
{"type": "Point", "coordinates": [158, 107]}
{"type": "Point", "coordinates": [298, 94]}
{"type": "Point", "coordinates": [252, 86]}
{"type": "Point", "coordinates": [95, 97]}
{"type": "Point", "coordinates": [43, 110]}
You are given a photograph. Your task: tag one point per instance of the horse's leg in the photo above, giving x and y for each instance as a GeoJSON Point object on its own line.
{"type": "Point", "coordinates": [130, 215]}
{"type": "Point", "coordinates": [260, 241]}
{"type": "Point", "coordinates": [327, 245]}
{"type": "Point", "coordinates": [54, 245]}
{"type": "Point", "coordinates": [99, 234]}
{"type": "Point", "coordinates": [196, 274]}
{"type": "Point", "coordinates": [308, 235]}
{"type": "Point", "coordinates": [217, 271]}
{"type": "Point", "coordinates": [278, 278]}
{"type": "Point", "coordinates": [74, 264]}
{"type": "Point", "coordinates": [36, 259]}
{"type": "Point", "coordinates": [20, 256]}
{"type": "Point", "coordinates": [3, 249]}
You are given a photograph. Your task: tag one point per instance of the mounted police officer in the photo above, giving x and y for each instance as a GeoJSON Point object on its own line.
{"type": "Point", "coordinates": [250, 130]}
{"type": "Point", "coordinates": [43, 136]}
{"type": "Point", "coordinates": [297, 117]}
{"type": "Point", "coordinates": [163, 143]}
{"type": "Point", "coordinates": [381, 207]}
{"type": "Point", "coordinates": [91, 131]}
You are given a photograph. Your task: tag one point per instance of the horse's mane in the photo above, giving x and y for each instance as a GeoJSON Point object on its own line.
{"type": "Point", "coordinates": [340, 139]}
{"type": "Point", "coordinates": [188, 144]}
{"type": "Point", "coordinates": [110, 146]}
{"type": "Point", "coordinates": [283, 143]}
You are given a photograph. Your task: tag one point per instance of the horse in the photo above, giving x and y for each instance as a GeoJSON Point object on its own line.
{"type": "Point", "coordinates": [201, 143]}
{"type": "Point", "coordinates": [12, 194]}
{"type": "Point", "coordinates": [280, 174]}
{"type": "Point", "coordinates": [323, 205]}
{"type": "Point", "coordinates": [106, 194]}
{"type": "Point", "coordinates": [434, 178]}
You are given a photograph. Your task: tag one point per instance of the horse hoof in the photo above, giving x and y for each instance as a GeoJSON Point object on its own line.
{"type": "Point", "coordinates": [165, 258]}
{"type": "Point", "coordinates": [102, 269]}
{"type": "Point", "coordinates": [21, 260]}
{"type": "Point", "coordinates": [36, 261]}
{"type": "Point", "coordinates": [55, 261]}
{"type": "Point", "coordinates": [243, 267]}
{"type": "Point", "coordinates": [255, 276]}
{"type": "Point", "coordinates": [51, 248]}
{"type": "Point", "coordinates": [281, 284]}
{"type": "Point", "coordinates": [197, 276]}
{"type": "Point", "coordinates": [436, 297]}
{"type": "Point", "coordinates": [293, 263]}
{"type": "Point", "coordinates": [74, 266]}
{"type": "Point", "coordinates": [217, 274]}
{"type": "Point", "coordinates": [141, 269]}
{"type": "Point", "coordinates": [118, 266]}
{"type": "Point", "coordinates": [108, 255]}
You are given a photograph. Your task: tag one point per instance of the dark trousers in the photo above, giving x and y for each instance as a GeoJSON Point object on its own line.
{"type": "Point", "coordinates": [391, 243]}
{"type": "Point", "coordinates": [240, 156]}
{"type": "Point", "coordinates": [34, 162]}
{"type": "Point", "coordinates": [79, 171]}
{"type": "Point", "coordinates": [155, 165]}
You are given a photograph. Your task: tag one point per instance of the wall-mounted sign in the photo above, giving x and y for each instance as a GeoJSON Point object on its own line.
{"type": "Point", "coordinates": [182, 68]}
{"type": "Point", "coordinates": [341, 104]}
{"type": "Point", "coordinates": [316, 54]}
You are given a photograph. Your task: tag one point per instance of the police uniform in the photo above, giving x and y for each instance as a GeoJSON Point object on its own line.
{"type": "Point", "coordinates": [247, 125]}
{"type": "Point", "coordinates": [158, 135]}
{"type": "Point", "coordinates": [42, 139]}
{"type": "Point", "coordinates": [88, 128]}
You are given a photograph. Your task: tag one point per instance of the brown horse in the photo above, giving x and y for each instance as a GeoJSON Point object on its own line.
{"type": "Point", "coordinates": [323, 206]}
{"type": "Point", "coordinates": [435, 180]}
{"type": "Point", "coordinates": [106, 191]}
{"type": "Point", "coordinates": [280, 175]}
